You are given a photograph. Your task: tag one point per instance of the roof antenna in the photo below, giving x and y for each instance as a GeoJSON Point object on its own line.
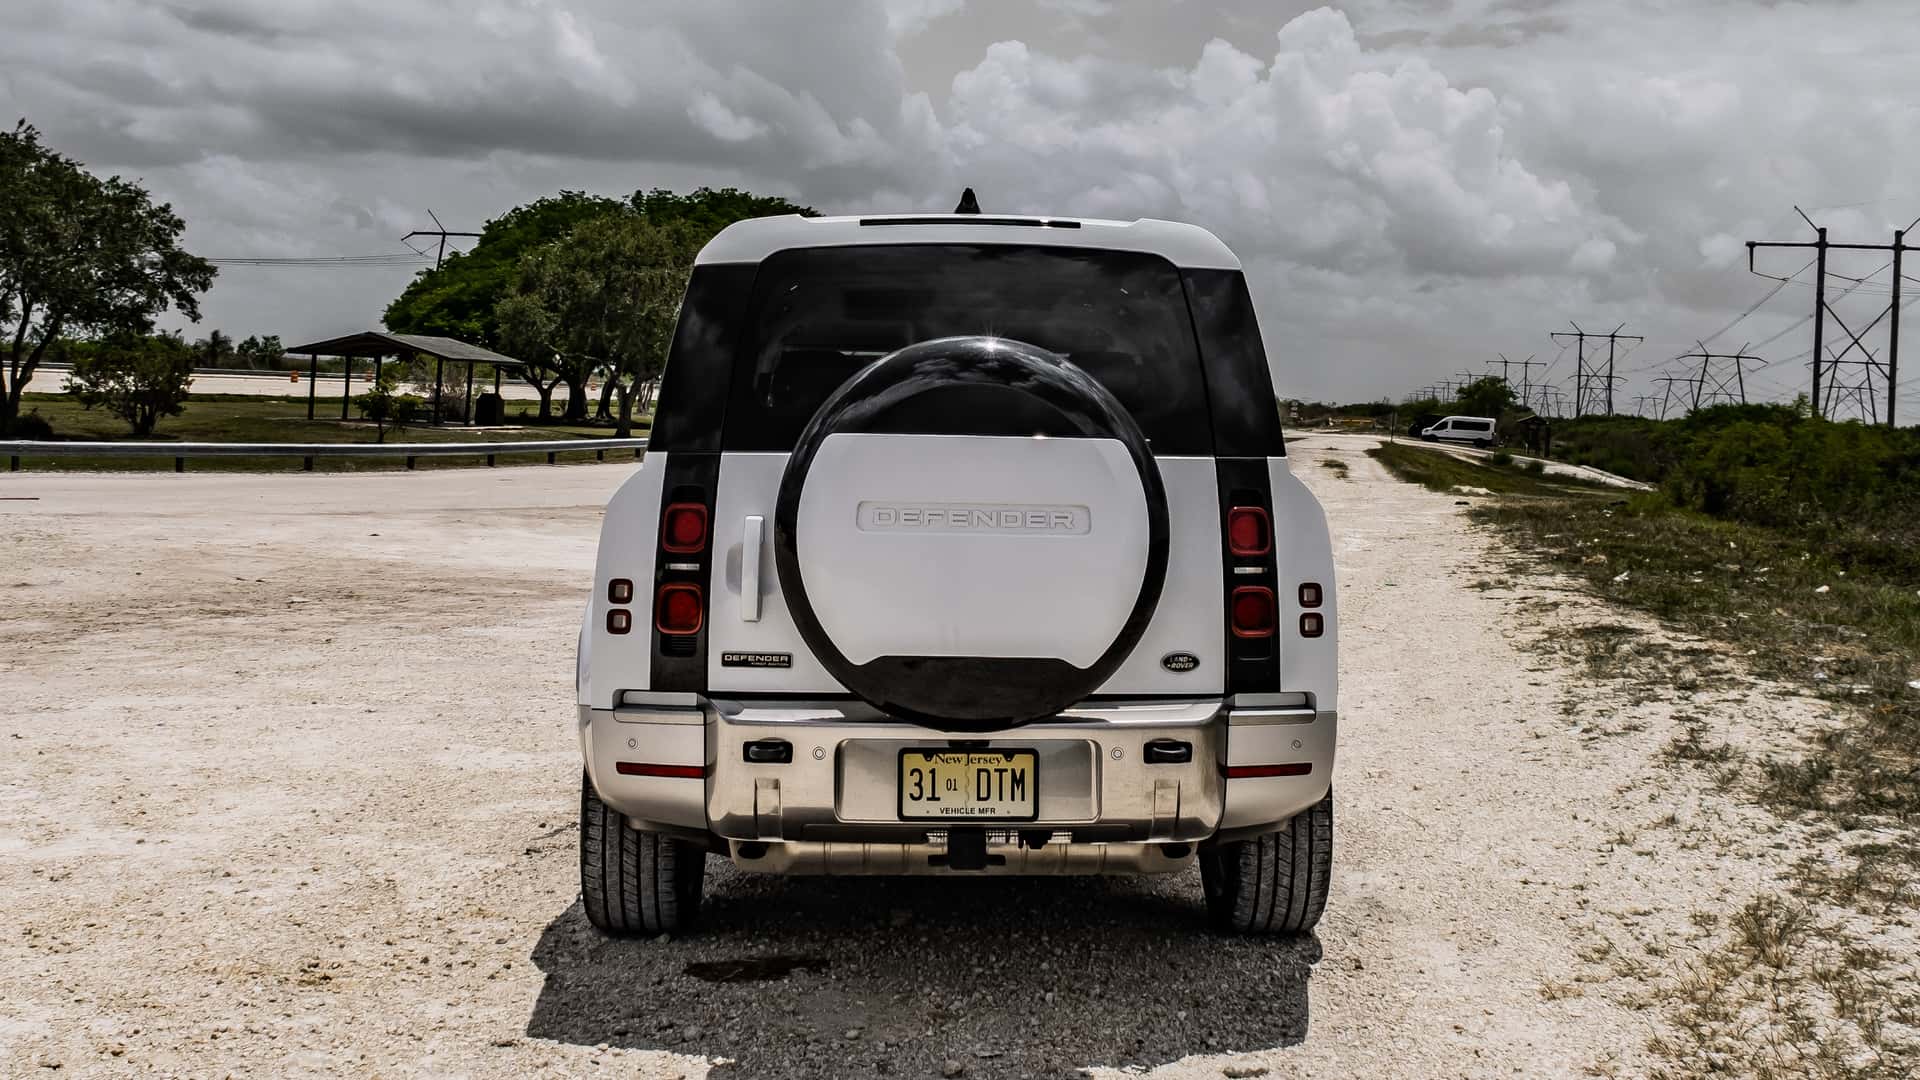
{"type": "Point", "coordinates": [968, 204]}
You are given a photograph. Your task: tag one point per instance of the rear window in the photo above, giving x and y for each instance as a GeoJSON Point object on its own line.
{"type": "Point", "coordinates": [819, 315]}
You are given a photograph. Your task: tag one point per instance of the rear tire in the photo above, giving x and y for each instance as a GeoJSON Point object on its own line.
{"type": "Point", "coordinates": [1272, 884]}
{"type": "Point", "coordinates": [634, 882]}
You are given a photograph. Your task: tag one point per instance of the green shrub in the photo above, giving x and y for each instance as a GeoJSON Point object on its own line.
{"type": "Point", "coordinates": [32, 426]}
{"type": "Point", "coordinates": [1500, 458]}
{"type": "Point", "coordinates": [138, 379]}
{"type": "Point", "coordinates": [1535, 466]}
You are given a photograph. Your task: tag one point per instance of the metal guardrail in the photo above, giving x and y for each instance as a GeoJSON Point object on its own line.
{"type": "Point", "coordinates": [181, 451]}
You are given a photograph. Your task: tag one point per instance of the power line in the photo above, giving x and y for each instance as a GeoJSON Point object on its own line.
{"type": "Point", "coordinates": [440, 231]}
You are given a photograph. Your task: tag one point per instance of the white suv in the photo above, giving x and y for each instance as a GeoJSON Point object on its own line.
{"type": "Point", "coordinates": [963, 544]}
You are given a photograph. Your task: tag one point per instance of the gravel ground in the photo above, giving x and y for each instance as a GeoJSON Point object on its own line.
{"type": "Point", "coordinates": [290, 788]}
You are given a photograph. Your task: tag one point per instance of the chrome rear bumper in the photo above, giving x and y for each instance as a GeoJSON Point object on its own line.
{"type": "Point", "coordinates": [679, 764]}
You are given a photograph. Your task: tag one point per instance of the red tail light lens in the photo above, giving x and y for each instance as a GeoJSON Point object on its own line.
{"type": "Point", "coordinates": [1248, 531]}
{"type": "Point", "coordinates": [683, 529]}
{"type": "Point", "coordinates": [677, 609]}
{"type": "Point", "coordinates": [1253, 611]}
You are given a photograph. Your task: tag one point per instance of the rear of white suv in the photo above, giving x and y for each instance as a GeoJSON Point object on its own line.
{"type": "Point", "coordinates": [962, 545]}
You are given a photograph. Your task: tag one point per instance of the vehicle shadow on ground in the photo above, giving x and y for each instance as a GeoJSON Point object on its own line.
{"type": "Point", "coordinates": [897, 976]}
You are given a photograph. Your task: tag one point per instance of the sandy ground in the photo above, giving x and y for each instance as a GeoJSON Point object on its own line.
{"type": "Point", "coordinates": [290, 788]}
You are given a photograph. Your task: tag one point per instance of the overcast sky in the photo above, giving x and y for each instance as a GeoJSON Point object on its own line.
{"type": "Point", "coordinates": [1414, 185]}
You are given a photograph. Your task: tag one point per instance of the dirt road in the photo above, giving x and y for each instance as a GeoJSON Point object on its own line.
{"type": "Point", "coordinates": [290, 788]}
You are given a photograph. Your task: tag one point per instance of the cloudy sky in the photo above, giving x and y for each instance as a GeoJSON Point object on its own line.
{"type": "Point", "coordinates": [1414, 185]}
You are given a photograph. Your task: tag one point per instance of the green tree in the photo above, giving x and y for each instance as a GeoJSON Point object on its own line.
{"type": "Point", "coordinates": [462, 297]}
{"type": "Point", "coordinates": [216, 349]}
{"type": "Point", "coordinates": [607, 296]}
{"type": "Point", "coordinates": [1485, 397]}
{"type": "Point", "coordinates": [80, 256]}
{"type": "Point", "coordinates": [385, 405]}
{"type": "Point", "coordinates": [136, 378]}
{"type": "Point", "coordinates": [261, 352]}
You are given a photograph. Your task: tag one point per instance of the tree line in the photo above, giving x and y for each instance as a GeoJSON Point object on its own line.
{"type": "Point", "coordinates": [578, 287]}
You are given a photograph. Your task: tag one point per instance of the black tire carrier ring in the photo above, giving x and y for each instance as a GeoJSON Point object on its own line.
{"type": "Point", "coordinates": [969, 693]}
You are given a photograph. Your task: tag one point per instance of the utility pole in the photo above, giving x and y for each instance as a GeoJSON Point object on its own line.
{"type": "Point", "coordinates": [1640, 403]}
{"type": "Point", "coordinates": [440, 231]}
{"type": "Point", "coordinates": [1722, 390]}
{"type": "Point", "coordinates": [1862, 391]}
{"type": "Point", "coordinates": [1584, 374]}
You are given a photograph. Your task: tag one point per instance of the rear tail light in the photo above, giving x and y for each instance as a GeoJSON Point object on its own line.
{"type": "Point", "coordinates": [683, 528]}
{"type": "Point", "coordinates": [1251, 772]}
{"type": "Point", "coordinates": [646, 768]}
{"type": "Point", "coordinates": [1253, 611]}
{"type": "Point", "coordinates": [1248, 531]}
{"type": "Point", "coordinates": [678, 609]}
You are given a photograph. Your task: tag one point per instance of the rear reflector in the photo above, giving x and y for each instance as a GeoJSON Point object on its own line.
{"type": "Point", "coordinates": [619, 621]}
{"type": "Point", "coordinates": [639, 768]}
{"type": "Point", "coordinates": [1309, 594]}
{"type": "Point", "coordinates": [620, 591]}
{"type": "Point", "coordinates": [1248, 531]}
{"type": "Point", "coordinates": [1312, 625]}
{"type": "Point", "coordinates": [1253, 611]}
{"type": "Point", "coordinates": [677, 609]}
{"type": "Point", "coordinates": [1253, 772]}
{"type": "Point", "coordinates": [683, 528]}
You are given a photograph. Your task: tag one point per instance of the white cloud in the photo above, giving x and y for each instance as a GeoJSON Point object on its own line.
{"type": "Point", "coordinates": [1413, 185]}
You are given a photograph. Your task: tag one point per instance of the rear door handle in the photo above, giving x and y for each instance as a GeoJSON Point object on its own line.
{"type": "Point", "coordinates": [1168, 752]}
{"type": "Point", "coordinates": [750, 568]}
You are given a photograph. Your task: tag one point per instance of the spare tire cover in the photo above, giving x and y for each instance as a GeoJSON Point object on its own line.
{"type": "Point", "coordinates": [971, 533]}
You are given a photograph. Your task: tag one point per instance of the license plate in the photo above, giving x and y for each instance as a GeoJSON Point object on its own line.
{"type": "Point", "coordinates": [992, 785]}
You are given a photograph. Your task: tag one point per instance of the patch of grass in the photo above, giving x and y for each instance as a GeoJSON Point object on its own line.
{"type": "Point", "coordinates": [1440, 471]}
{"type": "Point", "coordinates": [1500, 459]}
{"type": "Point", "coordinates": [1336, 466]}
{"type": "Point", "coordinates": [1760, 590]}
{"type": "Point", "coordinates": [244, 418]}
{"type": "Point", "coordinates": [1784, 996]}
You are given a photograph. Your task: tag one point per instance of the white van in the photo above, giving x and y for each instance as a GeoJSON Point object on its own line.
{"type": "Point", "coordinates": [1472, 430]}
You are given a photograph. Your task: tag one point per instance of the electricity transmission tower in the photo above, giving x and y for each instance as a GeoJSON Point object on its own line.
{"type": "Point", "coordinates": [1666, 391]}
{"type": "Point", "coordinates": [440, 231]}
{"type": "Point", "coordinates": [1716, 383]}
{"type": "Point", "coordinates": [1526, 375]}
{"type": "Point", "coordinates": [1857, 389]}
{"type": "Point", "coordinates": [1592, 388]}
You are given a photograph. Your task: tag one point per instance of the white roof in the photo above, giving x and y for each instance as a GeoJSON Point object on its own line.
{"type": "Point", "coordinates": [750, 241]}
